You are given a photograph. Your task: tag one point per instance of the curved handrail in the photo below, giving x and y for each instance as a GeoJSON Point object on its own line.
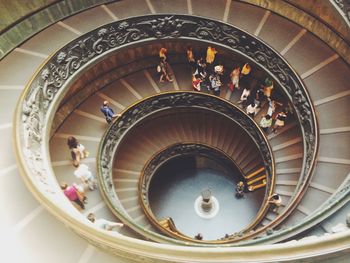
{"type": "Point", "coordinates": [22, 29]}
{"type": "Point", "coordinates": [29, 15]}
{"type": "Point", "coordinates": [40, 98]}
{"type": "Point", "coordinates": [163, 156]}
{"type": "Point", "coordinates": [339, 199]}
{"type": "Point", "coordinates": [149, 106]}
{"type": "Point", "coordinates": [12, 33]}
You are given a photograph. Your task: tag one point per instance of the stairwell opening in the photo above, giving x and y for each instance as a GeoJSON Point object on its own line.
{"type": "Point", "coordinates": [176, 191]}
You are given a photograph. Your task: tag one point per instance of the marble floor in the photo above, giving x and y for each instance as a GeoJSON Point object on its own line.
{"type": "Point", "coordinates": [176, 186]}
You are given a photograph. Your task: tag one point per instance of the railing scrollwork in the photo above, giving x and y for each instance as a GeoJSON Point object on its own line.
{"type": "Point", "coordinates": [165, 155]}
{"type": "Point", "coordinates": [43, 94]}
{"type": "Point", "coordinates": [171, 101]}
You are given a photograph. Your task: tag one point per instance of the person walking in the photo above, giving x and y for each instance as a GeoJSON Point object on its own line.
{"type": "Point", "coordinates": [104, 224]}
{"type": "Point", "coordinates": [211, 52]}
{"type": "Point", "coordinates": [275, 201]}
{"type": "Point", "coordinates": [162, 53]}
{"type": "Point", "coordinates": [78, 150]}
{"type": "Point", "coordinates": [190, 58]}
{"type": "Point", "coordinates": [83, 173]}
{"type": "Point", "coordinates": [268, 87]}
{"type": "Point", "coordinates": [108, 112]}
{"type": "Point", "coordinates": [279, 121]}
{"type": "Point", "coordinates": [234, 75]}
{"type": "Point", "coordinates": [163, 70]}
{"type": "Point", "coordinates": [252, 109]}
{"type": "Point", "coordinates": [74, 194]}
{"type": "Point", "coordinates": [265, 123]}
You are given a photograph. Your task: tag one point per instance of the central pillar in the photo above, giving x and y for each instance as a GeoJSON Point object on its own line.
{"type": "Point", "coordinates": [207, 203]}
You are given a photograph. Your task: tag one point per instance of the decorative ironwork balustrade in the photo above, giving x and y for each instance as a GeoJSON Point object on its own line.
{"type": "Point", "coordinates": [171, 101]}
{"type": "Point", "coordinates": [180, 150]}
{"type": "Point", "coordinates": [344, 8]}
{"type": "Point", "coordinates": [43, 94]}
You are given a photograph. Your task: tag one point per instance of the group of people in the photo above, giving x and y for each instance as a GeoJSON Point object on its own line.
{"type": "Point", "coordinates": [76, 191]}
{"type": "Point", "coordinates": [207, 75]}
{"type": "Point", "coordinates": [274, 200]}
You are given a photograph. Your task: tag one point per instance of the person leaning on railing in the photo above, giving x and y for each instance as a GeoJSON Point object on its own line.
{"type": "Point", "coordinates": [108, 112]}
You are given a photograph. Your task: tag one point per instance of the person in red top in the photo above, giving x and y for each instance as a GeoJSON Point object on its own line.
{"type": "Point", "coordinates": [72, 194]}
{"type": "Point", "coordinates": [196, 82]}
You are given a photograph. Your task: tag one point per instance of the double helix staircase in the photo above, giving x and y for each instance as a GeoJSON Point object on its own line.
{"type": "Point", "coordinates": [323, 72]}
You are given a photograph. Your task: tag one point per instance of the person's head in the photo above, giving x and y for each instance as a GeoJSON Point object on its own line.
{"type": "Point", "coordinates": [253, 104]}
{"type": "Point", "coordinates": [268, 82]}
{"type": "Point", "coordinates": [199, 236]}
{"type": "Point", "coordinates": [219, 69]}
{"type": "Point", "coordinates": [105, 103]}
{"type": "Point", "coordinates": [267, 117]}
{"type": "Point", "coordinates": [64, 186]}
{"type": "Point", "coordinates": [275, 197]}
{"type": "Point", "coordinates": [91, 217]}
{"type": "Point", "coordinates": [240, 183]}
{"type": "Point", "coordinates": [189, 48]}
{"type": "Point", "coordinates": [72, 142]}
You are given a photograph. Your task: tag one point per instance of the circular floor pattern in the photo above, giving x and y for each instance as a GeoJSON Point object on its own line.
{"type": "Point", "coordinates": [206, 214]}
{"type": "Point", "coordinates": [173, 196]}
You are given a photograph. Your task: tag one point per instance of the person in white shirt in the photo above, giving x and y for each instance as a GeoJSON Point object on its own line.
{"type": "Point", "coordinates": [83, 173]}
{"type": "Point", "coordinates": [105, 224]}
{"type": "Point", "coordinates": [276, 201]}
{"type": "Point", "coordinates": [244, 97]}
{"type": "Point", "coordinates": [252, 109]}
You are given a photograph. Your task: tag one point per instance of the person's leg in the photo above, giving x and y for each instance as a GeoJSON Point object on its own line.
{"type": "Point", "coordinates": [80, 203]}
{"type": "Point", "coordinates": [161, 78]}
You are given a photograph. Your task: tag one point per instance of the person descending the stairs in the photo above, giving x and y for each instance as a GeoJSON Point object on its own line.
{"type": "Point", "coordinates": [104, 224]}
{"type": "Point", "coordinates": [108, 112]}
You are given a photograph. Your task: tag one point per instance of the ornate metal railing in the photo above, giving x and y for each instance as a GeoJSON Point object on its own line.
{"type": "Point", "coordinates": [138, 112]}
{"type": "Point", "coordinates": [42, 95]}
{"type": "Point", "coordinates": [343, 7]}
{"type": "Point", "coordinates": [339, 198]}
{"type": "Point", "coordinates": [164, 156]}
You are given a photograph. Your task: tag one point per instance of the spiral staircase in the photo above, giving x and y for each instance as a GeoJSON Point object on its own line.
{"type": "Point", "coordinates": [41, 232]}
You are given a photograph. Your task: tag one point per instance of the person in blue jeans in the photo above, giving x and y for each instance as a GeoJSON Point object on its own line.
{"type": "Point", "coordinates": [108, 112]}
